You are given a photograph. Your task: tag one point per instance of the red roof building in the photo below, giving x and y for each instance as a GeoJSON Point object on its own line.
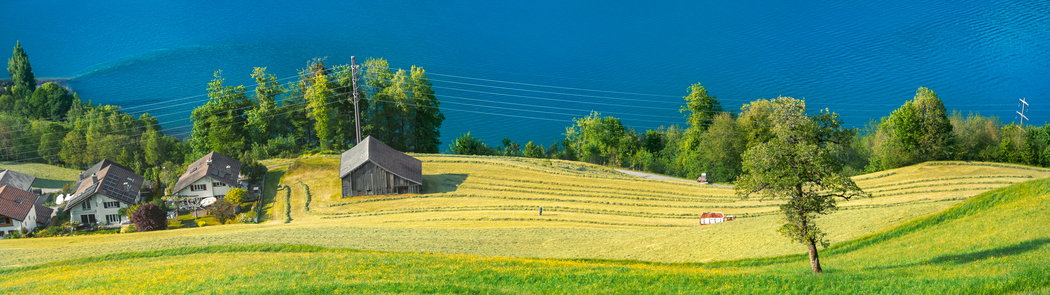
{"type": "Point", "coordinates": [714, 217]}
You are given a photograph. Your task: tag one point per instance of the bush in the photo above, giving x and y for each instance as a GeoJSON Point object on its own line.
{"type": "Point", "coordinates": [469, 145]}
{"type": "Point", "coordinates": [248, 217]}
{"type": "Point", "coordinates": [222, 210]}
{"type": "Point", "coordinates": [236, 195]}
{"type": "Point", "coordinates": [149, 217]}
{"type": "Point", "coordinates": [201, 223]}
{"type": "Point", "coordinates": [130, 228]}
{"type": "Point", "coordinates": [53, 231]}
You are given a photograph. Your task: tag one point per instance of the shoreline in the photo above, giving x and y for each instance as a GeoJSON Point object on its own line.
{"type": "Point", "coordinates": [4, 83]}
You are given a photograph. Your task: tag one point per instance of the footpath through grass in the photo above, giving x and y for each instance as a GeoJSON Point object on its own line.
{"type": "Point", "coordinates": [991, 244]}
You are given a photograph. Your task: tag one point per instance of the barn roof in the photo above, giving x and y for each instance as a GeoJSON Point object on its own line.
{"type": "Point", "coordinates": [17, 180]}
{"type": "Point", "coordinates": [16, 203]}
{"type": "Point", "coordinates": [382, 155]}
{"type": "Point", "coordinates": [109, 180]}
{"type": "Point", "coordinates": [712, 215]}
{"type": "Point", "coordinates": [211, 165]}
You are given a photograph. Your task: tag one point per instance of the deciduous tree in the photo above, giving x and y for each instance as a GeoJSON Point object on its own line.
{"type": "Point", "coordinates": [149, 217]}
{"type": "Point", "coordinates": [796, 165]}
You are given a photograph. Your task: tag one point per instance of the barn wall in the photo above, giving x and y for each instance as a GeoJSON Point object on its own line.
{"type": "Point", "coordinates": [369, 179]}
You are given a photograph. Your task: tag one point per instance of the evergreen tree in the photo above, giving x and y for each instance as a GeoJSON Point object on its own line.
{"type": "Point", "coordinates": [20, 70]}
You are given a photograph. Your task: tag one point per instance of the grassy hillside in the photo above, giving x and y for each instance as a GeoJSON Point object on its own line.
{"type": "Point", "coordinates": [47, 176]}
{"type": "Point", "coordinates": [488, 206]}
{"type": "Point", "coordinates": [466, 192]}
{"type": "Point", "coordinates": [990, 244]}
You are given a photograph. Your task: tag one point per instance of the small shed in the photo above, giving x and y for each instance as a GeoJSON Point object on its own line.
{"type": "Point", "coordinates": [373, 168]}
{"type": "Point", "coordinates": [714, 217]}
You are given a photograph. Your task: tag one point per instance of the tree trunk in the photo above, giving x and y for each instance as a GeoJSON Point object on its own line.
{"type": "Point", "coordinates": [814, 259]}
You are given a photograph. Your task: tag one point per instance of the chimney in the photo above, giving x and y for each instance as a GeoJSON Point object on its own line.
{"type": "Point", "coordinates": [127, 187]}
{"type": "Point", "coordinates": [209, 162]}
{"type": "Point", "coordinates": [228, 169]}
{"type": "Point", "coordinates": [94, 177]}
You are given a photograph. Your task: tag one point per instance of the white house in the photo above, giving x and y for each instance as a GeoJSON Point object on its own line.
{"type": "Point", "coordinates": [17, 210]}
{"type": "Point", "coordinates": [101, 191]}
{"type": "Point", "coordinates": [714, 217]}
{"type": "Point", "coordinates": [210, 176]}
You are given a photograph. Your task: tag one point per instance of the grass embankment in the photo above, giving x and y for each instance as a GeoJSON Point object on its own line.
{"type": "Point", "coordinates": [489, 206]}
{"type": "Point", "coordinates": [993, 243]}
{"type": "Point", "coordinates": [47, 176]}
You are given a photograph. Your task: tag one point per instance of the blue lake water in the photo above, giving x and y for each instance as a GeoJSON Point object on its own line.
{"type": "Point", "coordinates": [861, 60]}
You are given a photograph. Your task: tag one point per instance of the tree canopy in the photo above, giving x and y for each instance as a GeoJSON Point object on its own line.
{"type": "Point", "coordinates": [797, 165]}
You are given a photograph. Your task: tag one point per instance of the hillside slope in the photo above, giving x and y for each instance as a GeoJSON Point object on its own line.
{"type": "Point", "coordinates": [991, 244]}
{"type": "Point", "coordinates": [489, 206]}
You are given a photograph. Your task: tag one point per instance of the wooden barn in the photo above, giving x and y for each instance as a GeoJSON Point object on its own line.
{"type": "Point", "coordinates": [714, 217]}
{"type": "Point", "coordinates": [373, 168]}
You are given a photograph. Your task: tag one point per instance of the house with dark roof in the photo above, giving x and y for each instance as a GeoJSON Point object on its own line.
{"type": "Point", "coordinates": [43, 215]}
{"type": "Point", "coordinates": [17, 210]}
{"type": "Point", "coordinates": [101, 191]}
{"type": "Point", "coordinates": [17, 180]}
{"type": "Point", "coordinates": [210, 176]}
{"type": "Point", "coordinates": [373, 168]}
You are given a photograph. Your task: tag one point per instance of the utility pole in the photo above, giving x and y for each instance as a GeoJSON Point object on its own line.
{"type": "Point", "coordinates": [357, 113]}
{"type": "Point", "coordinates": [1023, 104]}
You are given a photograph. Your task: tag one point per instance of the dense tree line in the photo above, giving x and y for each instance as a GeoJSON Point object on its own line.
{"type": "Point", "coordinates": [316, 112]}
{"type": "Point", "coordinates": [313, 113]}
{"type": "Point", "coordinates": [714, 140]}
{"type": "Point", "coordinates": [51, 125]}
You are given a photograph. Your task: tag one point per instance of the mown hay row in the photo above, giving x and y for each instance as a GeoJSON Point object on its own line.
{"type": "Point", "coordinates": [463, 195]}
{"type": "Point", "coordinates": [619, 188]}
{"type": "Point", "coordinates": [500, 188]}
{"type": "Point", "coordinates": [484, 219]}
{"type": "Point", "coordinates": [941, 184]}
{"type": "Point", "coordinates": [995, 165]}
{"type": "Point", "coordinates": [565, 172]}
{"type": "Point", "coordinates": [946, 179]}
{"type": "Point", "coordinates": [512, 208]}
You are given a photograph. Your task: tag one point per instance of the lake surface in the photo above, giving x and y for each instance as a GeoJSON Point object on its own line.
{"type": "Point", "coordinates": [523, 70]}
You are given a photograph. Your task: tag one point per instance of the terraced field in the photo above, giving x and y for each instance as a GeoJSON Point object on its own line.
{"type": "Point", "coordinates": [978, 246]}
{"type": "Point", "coordinates": [508, 192]}
{"type": "Point", "coordinates": [490, 206]}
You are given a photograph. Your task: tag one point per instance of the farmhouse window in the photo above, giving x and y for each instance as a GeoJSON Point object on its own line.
{"type": "Point", "coordinates": [217, 184]}
{"type": "Point", "coordinates": [113, 218]}
{"type": "Point", "coordinates": [5, 221]}
{"type": "Point", "coordinates": [87, 219]}
{"type": "Point", "coordinates": [198, 187]}
{"type": "Point", "coordinates": [111, 204]}
{"type": "Point", "coordinates": [86, 205]}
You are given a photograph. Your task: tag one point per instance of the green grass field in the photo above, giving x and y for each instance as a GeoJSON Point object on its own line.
{"type": "Point", "coordinates": [477, 222]}
{"type": "Point", "coordinates": [47, 176]}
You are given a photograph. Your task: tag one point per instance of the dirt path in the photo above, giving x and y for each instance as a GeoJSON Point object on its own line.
{"type": "Point", "coordinates": [661, 177]}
